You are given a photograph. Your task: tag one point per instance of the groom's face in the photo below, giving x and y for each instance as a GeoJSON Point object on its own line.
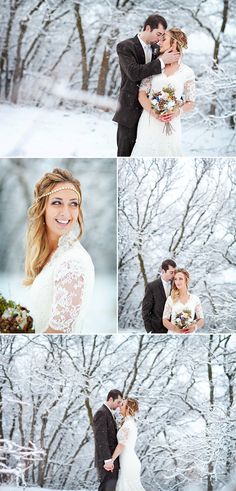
{"type": "Point", "coordinates": [155, 35]}
{"type": "Point", "coordinates": [168, 275]}
{"type": "Point", "coordinates": [116, 402]}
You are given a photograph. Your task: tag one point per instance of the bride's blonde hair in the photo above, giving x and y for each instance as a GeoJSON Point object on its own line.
{"type": "Point", "coordinates": [132, 406]}
{"type": "Point", "coordinates": [175, 291]}
{"type": "Point", "coordinates": [37, 248]}
{"type": "Point", "coordinates": [180, 37]}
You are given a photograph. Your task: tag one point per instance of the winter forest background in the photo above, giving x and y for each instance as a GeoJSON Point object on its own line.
{"type": "Point", "coordinates": [50, 387]}
{"type": "Point", "coordinates": [60, 77]}
{"type": "Point", "coordinates": [182, 209]}
{"type": "Point", "coordinates": [98, 182]}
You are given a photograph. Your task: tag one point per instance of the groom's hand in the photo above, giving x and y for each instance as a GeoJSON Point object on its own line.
{"type": "Point", "coordinates": [169, 57]}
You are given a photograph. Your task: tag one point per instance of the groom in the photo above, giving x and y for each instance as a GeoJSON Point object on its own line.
{"type": "Point", "coordinates": [138, 60]}
{"type": "Point", "coordinates": [105, 430]}
{"type": "Point", "coordinates": [155, 297]}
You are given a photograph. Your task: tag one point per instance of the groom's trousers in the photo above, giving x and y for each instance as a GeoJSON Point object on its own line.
{"type": "Point", "coordinates": [126, 138]}
{"type": "Point", "coordinates": [107, 479]}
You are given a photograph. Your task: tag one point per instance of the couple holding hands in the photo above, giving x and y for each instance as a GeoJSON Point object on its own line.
{"type": "Point", "coordinates": [115, 458]}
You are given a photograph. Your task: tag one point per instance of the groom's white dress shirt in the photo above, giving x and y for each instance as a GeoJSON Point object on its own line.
{"type": "Point", "coordinates": [166, 286]}
{"type": "Point", "coordinates": [148, 52]}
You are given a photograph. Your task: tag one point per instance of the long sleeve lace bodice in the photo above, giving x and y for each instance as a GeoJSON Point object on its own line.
{"type": "Point", "coordinates": [130, 467]}
{"type": "Point", "coordinates": [61, 293]}
{"type": "Point", "coordinates": [183, 81]}
{"type": "Point", "coordinates": [172, 309]}
{"type": "Point", "coordinates": [127, 434]}
{"type": "Point", "coordinates": [152, 140]}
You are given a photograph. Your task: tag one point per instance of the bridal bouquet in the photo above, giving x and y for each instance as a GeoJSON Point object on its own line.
{"type": "Point", "coordinates": [164, 102]}
{"type": "Point", "coordinates": [183, 319]}
{"type": "Point", "coordinates": [14, 318]}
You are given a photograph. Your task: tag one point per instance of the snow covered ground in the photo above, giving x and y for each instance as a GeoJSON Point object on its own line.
{"type": "Point", "coordinates": [34, 132]}
{"type": "Point", "coordinates": [102, 318]}
{"type": "Point", "coordinates": [37, 132]}
{"type": "Point", "coordinates": [15, 488]}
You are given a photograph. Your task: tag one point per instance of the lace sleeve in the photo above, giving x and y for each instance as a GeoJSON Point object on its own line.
{"type": "Point", "coordinates": [123, 434]}
{"type": "Point", "coordinates": [198, 310]}
{"type": "Point", "coordinates": [190, 89]}
{"type": "Point", "coordinates": [67, 296]}
{"type": "Point", "coordinates": [168, 308]}
{"type": "Point", "coordinates": [145, 85]}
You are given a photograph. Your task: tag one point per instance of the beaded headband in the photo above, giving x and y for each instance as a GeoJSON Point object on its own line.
{"type": "Point", "coordinates": [56, 190]}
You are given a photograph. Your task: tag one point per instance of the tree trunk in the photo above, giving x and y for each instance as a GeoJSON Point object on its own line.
{"type": "Point", "coordinates": [105, 65]}
{"type": "Point", "coordinates": [18, 71]}
{"type": "Point", "coordinates": [225, 12]}
{"type": "Point", "coordinates": [85, 74]}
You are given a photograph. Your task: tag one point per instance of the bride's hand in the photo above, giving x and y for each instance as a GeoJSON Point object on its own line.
{"type": "Point", "coordinates": [161, 117]}
{"type": "Point", "coordinates": [191, 328]}
{"type": "Point", "coordinates": [165, 118]}
{"type": "Point", "coordinates": [169, 116]}
{"type": "Point", "coordinates": [178, 330]}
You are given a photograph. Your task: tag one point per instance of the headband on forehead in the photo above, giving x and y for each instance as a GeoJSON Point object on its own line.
{"type": "Point", "coordinates": [58, 189]}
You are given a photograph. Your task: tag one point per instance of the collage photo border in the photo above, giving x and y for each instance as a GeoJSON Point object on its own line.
{"type": "Point", "coordinates": [134, 256]}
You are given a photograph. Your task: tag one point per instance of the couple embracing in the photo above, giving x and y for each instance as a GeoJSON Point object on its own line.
{"type": "Point", "coordinates": [117, 463]}
{"type": "Point", "coordinates": [157, 88]}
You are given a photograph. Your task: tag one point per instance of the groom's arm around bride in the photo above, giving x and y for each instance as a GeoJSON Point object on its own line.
{"type": "Point", "coordinates": [138, 60]}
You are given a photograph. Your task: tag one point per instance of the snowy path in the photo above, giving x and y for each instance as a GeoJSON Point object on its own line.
{"type": "Point", "coordinates": [35, 132]}
{"type": "Point", "coordinates": [15, 488]}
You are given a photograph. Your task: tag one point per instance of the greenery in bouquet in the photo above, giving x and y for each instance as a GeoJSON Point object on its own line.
{"type": "Point", "coordinates": [14, 318]}
{"type": "Point", "coordinates": [165, 102]}
{"type": "Point", "coordinates": [183, 319]}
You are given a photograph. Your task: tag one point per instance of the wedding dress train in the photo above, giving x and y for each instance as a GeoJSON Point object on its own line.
{"type": "Point", "coordinates": [61, 293]}
{"type": "Point", "coordinates": [130, 466]}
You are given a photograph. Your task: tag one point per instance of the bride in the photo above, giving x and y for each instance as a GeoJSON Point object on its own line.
{"type": "Point", "coordinates": [130, 466]}
{"type": "Point", "coordinates": [58, 268]}
{"type": "Point", "coordinates": [182, 307]}
{"type": "Point", "coordinates": [152, 140]}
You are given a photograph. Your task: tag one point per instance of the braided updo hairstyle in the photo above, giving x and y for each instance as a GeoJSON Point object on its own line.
{"type": "Point", "coordinates": [132, 406]}
{"type": "Point", "coordinates": [180, 37]}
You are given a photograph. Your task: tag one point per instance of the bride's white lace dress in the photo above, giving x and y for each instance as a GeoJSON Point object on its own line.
{"type": "Point", "coordinates": [130, 466]}
{"type": "Point", "coordinates": [61, 293]}
{"type": "Point", "coordinates": [172, 309]}
{"type": "Point", "coordinates": [151, 139]}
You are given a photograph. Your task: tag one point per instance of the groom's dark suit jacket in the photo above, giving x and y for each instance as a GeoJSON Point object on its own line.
{"type": "Point", "coordinates": [105, 436]}
{"type": "Point", "coordinates": [153, 306]}
{"type": "Point", "coordinates": [133, 70]}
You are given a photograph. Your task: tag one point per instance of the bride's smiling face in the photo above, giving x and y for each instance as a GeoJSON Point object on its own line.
{"type": "Point", "coordinates": [62, 209]}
